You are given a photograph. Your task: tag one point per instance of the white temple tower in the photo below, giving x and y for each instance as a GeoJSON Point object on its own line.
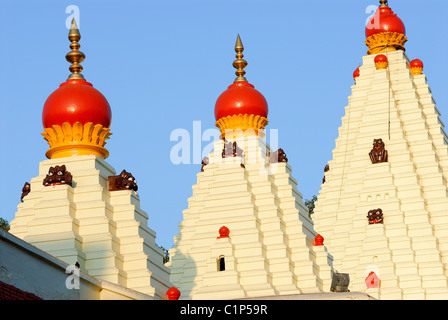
{"type": "Point", "coordinates": [246, 232]}
{"type": "Point", "coordinates": [383, 208]}
{"type": "Point", "coordinates": [78, 208]}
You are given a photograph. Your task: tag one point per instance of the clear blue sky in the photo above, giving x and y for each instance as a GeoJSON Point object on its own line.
{"type": "Point", "coordinates": [163, 64]}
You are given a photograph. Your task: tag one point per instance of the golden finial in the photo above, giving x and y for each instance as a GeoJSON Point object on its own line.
{"type": "Point", "coordinates": [239, 63]}
{"type": "Point", "coordinates": [383, 3]}
{"type": "Point", "coordinates": [75, 57]}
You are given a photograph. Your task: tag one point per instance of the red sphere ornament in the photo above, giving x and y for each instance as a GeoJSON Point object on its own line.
{"type": "Point", "coordinates": [76, 100]}
{"type": "Point", "coordinates": [223, 232]}
{"type": "Point", "coordinates": [381, 62]}
{"type": "Point", "coordinates": [380, 58]}
{"type": "Point", "coordinates": [416, 67]}
{"type": "Point", "coordinates": [319, 240]}
{"type": "Point", "coordinates": [385, 20]}
{"type": "Point", "coordinates": [241, 98]}
{"type": "Point", "coordinates": [173, 293]}
{"type": "Point", "coordinates": [356, 73]}
{"type": "Point", "coordinates": [416, 63]}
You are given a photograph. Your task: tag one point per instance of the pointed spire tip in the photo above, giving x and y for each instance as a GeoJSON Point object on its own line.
{"type": "Point", "coordinates": [75, 57]}
{"type": "Point", "coordinates": [239, 63]}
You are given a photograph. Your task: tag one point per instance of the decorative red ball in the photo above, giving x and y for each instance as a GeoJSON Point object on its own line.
{"type": "Point", "coordinates": [356, 73]}
{"type": "Point", "coordinates": [384, 20]}
{"type": "Point", "coordinates": [224, 232]}
{"type": "Point", "coordinates": [380, 58]}
{"type": "Point", "coordinates": [76, 100]}
{"type": "Point", "coordinates": [416, 63]}
{"type": "Point", "coordinates": [173, 293]}
{"type": "Point", "coordinates": [319, 240]}
{"type": "Point", "coordinates": [241, 98]}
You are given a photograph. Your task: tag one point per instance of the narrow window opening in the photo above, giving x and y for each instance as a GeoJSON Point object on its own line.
{"type": "Point", "coordinates": [222, 264]}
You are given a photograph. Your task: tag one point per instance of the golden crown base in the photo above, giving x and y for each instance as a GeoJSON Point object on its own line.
{"type": "Point", "coordinates": [416, 71]}
{"type": "Point", "coordinates": [385, 41]}
{"type": "Point", "coordinates": [77, 139]}
{"type": "Point", "coordinates": [381, 65]}
{"type": "Point", "coordinates": [241, 125]}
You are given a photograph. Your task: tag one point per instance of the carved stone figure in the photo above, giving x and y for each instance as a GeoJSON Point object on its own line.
{"type": "Point", "coordinates": [58, 175]}
{"type": "Point", "coordinates": [124, 181]}
{"type": "Point", "coordinates": [340, 282]}
{"type": "Point", "coordinates": [326, 169]}
{"type": "Point", "coordinates": [375, 216]}
{"type": "Point", "coordinates": [25, 190]}
{"type": "Point", "coordinates": [231, 150]}
{"type": "Point", "coordinates": [205, 162]}
{"type": "Point", "coordinates": [277, 156]}
{"type": "Point", "coordinates": [378, 153]}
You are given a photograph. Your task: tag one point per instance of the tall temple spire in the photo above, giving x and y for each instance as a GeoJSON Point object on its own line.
{"type": "Point", "coordinates": [246, 194]}
{"type": "Point", "coordinates": [382, 204]}
{"type": "Point", "coordinates": [239, 63]}
{"type": "Point", "coordinates": [77, 195]}
{"type": "Point", "coordinates": [75, 57]}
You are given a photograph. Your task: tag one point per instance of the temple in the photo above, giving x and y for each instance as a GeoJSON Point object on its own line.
{"type": "Point", "coordinates": [378, 230]}
{"type": "Point", "coordinates": [246, 232]}
{"type": "Point", "coordinates": [78, 209]}
{"type": "Point", "coordinates": [382, 206]}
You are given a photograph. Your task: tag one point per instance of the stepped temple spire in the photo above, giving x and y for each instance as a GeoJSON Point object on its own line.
{"type": "Point", "coordinates": [246, 232]}
{"type": "Point", "coordinates": [78, 208]}
{"type": "Point", "coordinates": [382, 206]}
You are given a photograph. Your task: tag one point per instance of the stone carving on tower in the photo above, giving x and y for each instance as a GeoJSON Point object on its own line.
{"type": "Point", "coordinates": [124, 181]}
{"type": "Point", "coordinates": [58, 175]}
{"type": "Point", "coordinates": [25, 190]}
{"type": "Point", "coordinates": [375, 216]}
{"type": "Point", "coordinates": [277, 156]}
{"type": "Point", "coordinates": [392, 105]}
{"type": "Point", "coordinates": [231, 149]}
{"type": "Point", "coordinates": [378, 154]}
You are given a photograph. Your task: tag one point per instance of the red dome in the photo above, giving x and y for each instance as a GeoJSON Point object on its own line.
{"type": "Point", "coordinates": [380, 58]}
{"type": "Point", "coordinates": [241, 98]}
{"type": "Point", "coordinates": [76, 100]}
{"type": "Point", "coordinates": [416, 63]}
{"type": "Point", "coordinates": [384, 20]}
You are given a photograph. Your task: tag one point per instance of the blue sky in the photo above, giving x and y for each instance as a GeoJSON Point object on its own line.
{"type": "Point", "coordinates": [163, 64]}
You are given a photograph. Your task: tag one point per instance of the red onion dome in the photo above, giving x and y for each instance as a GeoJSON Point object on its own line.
{"type": "Point", "coordinates": [380, 58]}
{"type": "Point", "coordinates": [416, 63]}
{"type": "Point", "coordinates": [241, 98]}
{"type": "Point", "coordinates": [76, 100]}
{"type": "Point", "coordinates": [384, 20]}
